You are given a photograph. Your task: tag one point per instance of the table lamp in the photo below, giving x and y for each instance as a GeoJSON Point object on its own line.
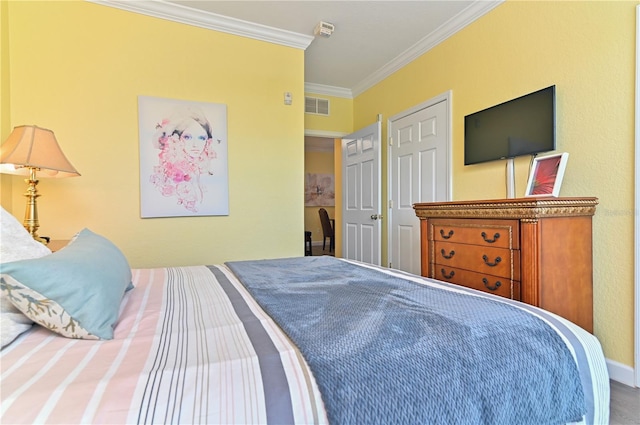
{"type": "Point", "coordinates": [30, 149]}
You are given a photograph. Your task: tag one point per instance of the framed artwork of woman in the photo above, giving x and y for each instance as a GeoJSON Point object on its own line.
{"type": "Point", "coordinates": [183, 158]}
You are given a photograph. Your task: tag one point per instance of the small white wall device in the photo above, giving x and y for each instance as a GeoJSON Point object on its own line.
{"type": "Point", "coordinates": [323, 29]}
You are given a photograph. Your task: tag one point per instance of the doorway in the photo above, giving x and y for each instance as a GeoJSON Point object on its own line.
{"type": "Point", "coordinates": [320, 191]}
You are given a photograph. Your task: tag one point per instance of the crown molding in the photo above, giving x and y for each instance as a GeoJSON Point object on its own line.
{"type": "Point", "coordinates": [328, 90]}
{"type": "Point", "coordinates": [446, 30]}
{"type": "Point", "coordinates": [186, 15]}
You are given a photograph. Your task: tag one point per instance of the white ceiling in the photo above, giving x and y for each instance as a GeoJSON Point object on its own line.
{"type": "Point", "coordinates": [372, 39]}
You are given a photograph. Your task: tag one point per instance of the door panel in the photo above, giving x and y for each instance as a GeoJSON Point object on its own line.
{"type": "Point", "coordinates": [367, 242]}
{"type": "Point", "coordinates": [406, 236]}
{"type": "Point", "coordinates": [428, 178]}
{"type": "Point", "coordinates": [405, 189]}
{"type": "Point", "coordinates": [350, 241]}
{"type": "Point", "coordinates": [350, 187]}
{"type": "Point", "coordinates": [367, 187]}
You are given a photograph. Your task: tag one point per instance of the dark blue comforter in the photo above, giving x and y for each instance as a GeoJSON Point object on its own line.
{"type": "Point", "coordinates": [385, 350]}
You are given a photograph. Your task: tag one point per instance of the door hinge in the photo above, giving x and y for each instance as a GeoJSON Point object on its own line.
{"type": "Point", "coordinates": [390, 203]}
{"type": "Point", "coordinates": [390, 141]}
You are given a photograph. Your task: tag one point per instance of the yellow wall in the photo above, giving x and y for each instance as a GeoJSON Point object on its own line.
{"type": "Point", "coordinates": [5, 126]}
{"type": "Point", "coordinates": [78, 67]}
{"type": "Point", "coordinates": [587, 50]}
{"type": "Point", "coordinates": [339, 120]}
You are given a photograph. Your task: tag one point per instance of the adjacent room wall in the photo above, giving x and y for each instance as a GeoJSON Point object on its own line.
{"type": "Point", "coordinates": [318, 162]}
{"type": "Point", "coordinates": [587, 50]}
{"type": "Point", "coordinates": [78, 68]}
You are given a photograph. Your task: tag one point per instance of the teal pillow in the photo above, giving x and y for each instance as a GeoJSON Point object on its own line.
{"type": "Point", "coordinates": [76, 291]}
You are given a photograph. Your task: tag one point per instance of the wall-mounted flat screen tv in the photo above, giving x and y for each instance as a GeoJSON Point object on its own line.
{"type": "Point", "coordinates": [522, 126]}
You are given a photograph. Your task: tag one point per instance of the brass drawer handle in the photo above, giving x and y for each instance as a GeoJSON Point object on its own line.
{"type": "Point", "coordinates": [451, 254]}
{"type": "Point", "coordinates": [448, 236]}
{"type": "Point", "coordinates": [447, 276]}
{"type": "Point", "coordinates": [491, 288]}
{"type": "Point", "coordinates": [495, 237]}
{"type": "Point", "coordinates": [486, 261]}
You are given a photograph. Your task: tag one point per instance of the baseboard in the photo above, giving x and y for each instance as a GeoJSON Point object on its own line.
{"type": "Point", "coordinates": [621, 373]}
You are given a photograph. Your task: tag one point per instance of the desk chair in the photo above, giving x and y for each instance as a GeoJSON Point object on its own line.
{"type": "Point", "coordinates": [327, 229]}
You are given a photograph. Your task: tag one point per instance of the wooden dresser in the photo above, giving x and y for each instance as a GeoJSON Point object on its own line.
{"type": "Point", "coordinates": [535, 250]}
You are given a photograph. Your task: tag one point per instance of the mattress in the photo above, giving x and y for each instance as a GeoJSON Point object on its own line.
{"type": "Point", "coordinates": [193, 346]}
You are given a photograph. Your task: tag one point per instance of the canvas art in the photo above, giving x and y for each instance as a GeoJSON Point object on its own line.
{"type": "Point", "coordinates": [183, 158]}
{"type": "Point", "coordinates": [319, 190]}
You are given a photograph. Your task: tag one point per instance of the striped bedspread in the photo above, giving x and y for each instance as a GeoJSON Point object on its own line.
{"type": "Point", "coordinates": [192, 346]}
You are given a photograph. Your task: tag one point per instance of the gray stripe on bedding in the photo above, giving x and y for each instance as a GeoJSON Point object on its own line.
{"type": "Point", "coordinates": [578, 348]}
{"type": "Point", "coordinates": [168, 358]}
{"type": "Point", "coordinates": [183, 336]}
{"type": "Point", "coordinates": [276, 388]}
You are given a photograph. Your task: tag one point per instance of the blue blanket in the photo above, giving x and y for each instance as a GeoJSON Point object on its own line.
{"type": "Point", "coordinates": [385, 350]}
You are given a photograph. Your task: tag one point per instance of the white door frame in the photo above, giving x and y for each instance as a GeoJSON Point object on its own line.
{"type": "Point", "coordinates": [326, 134]}
{"type": "Point", "coordinates": [637, 207]}
{"type": "Point", "coordinates": [446, 96]}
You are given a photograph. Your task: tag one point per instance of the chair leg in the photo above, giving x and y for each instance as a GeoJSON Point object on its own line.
{"type": "Point", "coordinates": [308, 251]}
{"type": "Point", "coordinates": [324, 240]}
{"type": "Point", "coordinates": [332, 244]}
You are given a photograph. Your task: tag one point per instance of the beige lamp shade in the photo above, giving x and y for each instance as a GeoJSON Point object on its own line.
{"type": "Point", "coordinates": [30, 146]}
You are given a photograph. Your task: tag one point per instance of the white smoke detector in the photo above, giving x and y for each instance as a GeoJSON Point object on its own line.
{"type": "Point", "coordinates": [323, 29]}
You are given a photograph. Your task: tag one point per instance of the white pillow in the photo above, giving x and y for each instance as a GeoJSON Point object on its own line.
{"type": "Point", "coordinates": [15, 244]}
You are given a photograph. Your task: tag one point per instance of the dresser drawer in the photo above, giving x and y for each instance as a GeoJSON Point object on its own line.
{"type": "Point", "coordinates": [501, 286]}
{"type": "Point", "coordinates": [501, 262]}
{"type": "Point", "coordinates": [496, 233]}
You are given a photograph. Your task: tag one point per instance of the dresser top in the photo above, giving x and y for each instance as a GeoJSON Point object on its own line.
{"type": "Point", "coordinates": [519, 208]}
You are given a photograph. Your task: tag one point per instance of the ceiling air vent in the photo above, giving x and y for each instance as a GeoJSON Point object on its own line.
{"type": "Point", "coordinates": [314, 105]}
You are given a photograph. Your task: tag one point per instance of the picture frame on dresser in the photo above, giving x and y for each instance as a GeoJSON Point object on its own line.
{"type": "Point", "coordinates": [546, 175]}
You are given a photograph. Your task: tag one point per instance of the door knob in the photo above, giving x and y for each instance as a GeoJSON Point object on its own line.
{"type": "Point", "coordinates": [376, 216]}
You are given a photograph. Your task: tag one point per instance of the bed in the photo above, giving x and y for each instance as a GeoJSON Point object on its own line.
{"type": "Point", "coordinates": [292, 340]}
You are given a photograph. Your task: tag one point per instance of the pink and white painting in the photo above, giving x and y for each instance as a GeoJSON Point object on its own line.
{"type": "Point", "coordinates": [183, 158]}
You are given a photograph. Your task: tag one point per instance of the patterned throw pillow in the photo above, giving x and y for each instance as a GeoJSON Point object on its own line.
{"type": "Point", "coordinates": [76, 291]}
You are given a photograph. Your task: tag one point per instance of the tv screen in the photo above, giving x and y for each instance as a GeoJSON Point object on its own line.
{"type": "Point", "coordinates": [522, 126]}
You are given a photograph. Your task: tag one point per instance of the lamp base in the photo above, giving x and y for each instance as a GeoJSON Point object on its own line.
{"type": "Point", "coordinates": [43, 241]}
{"type": "Point", "coordinates": [31, 213]}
